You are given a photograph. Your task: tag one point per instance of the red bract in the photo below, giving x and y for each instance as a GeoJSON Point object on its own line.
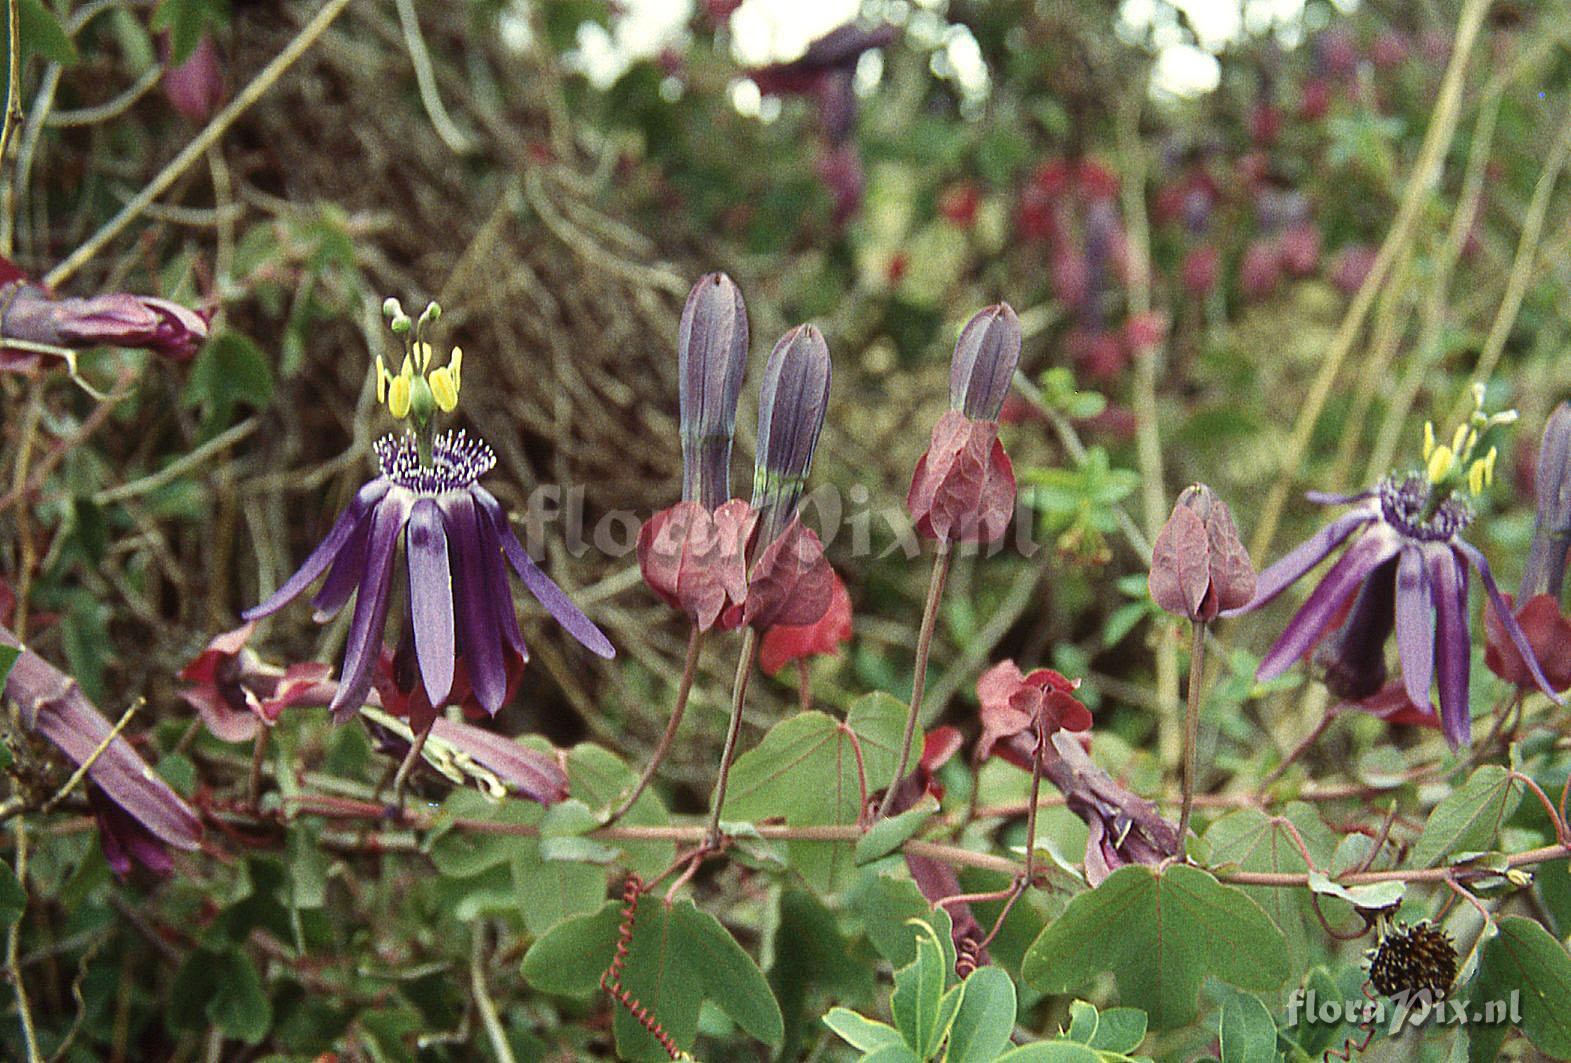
{"type": "Point", "coordinates": [1016, 706]}
{"type": "Point", "coordinates": [793, 642]}
{"type": "Point", "coordinates": [697, 560]}
{"type": "Point", "coordinates": [964, 486]}
{"type": "Point", "coordinates": [790, 585]}
{"type": "Point", "coordinates": [1392, 705]}
{"type": "Point", "coordinates": [1198, 563]}
{"type": "Point", "coordinates": [396, 679]}
{"type": "Point", "coordinates": [1548, 633]}
{"type": "Point", "coordinates": [236, 691]}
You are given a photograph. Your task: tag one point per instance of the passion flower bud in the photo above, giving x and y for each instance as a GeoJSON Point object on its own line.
{"type": "Point", "coordinates": [27, 312]}
{"type": "Point", "coordinates": [1545, 570]}
{"type": "Point", "coordinates": [984, 362]}
{"type": "Point", "coordinates": [1198, 564]}
{"type": "Point", "coordinates": [196, 86]}
{"type": "Point", "coordinates": [711, 349]}
{"type": "Point", "coordinates": [791, 407]}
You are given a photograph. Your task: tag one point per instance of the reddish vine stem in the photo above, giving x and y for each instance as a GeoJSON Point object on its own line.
{"type": "Point", "coordinates": [611, 980]}
{"type": "Point", "coordinates": [1304, 746]}
{"type": "Point", "coordinates": [695, 643]}
{"type": "Point", "coordinates": [924, 647]}
{"type": "Point", "coordinates": [1367, 1027]}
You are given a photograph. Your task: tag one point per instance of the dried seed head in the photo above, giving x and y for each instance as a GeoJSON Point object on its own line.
{"type": "Point", "coordinates": [1414, 959]}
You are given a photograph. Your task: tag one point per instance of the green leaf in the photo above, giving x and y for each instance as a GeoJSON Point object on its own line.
{"type": "Point", "coordinates": [892, 1054]}
{"type": "Point", "coordinates": [986, 1018]}
{"type": "Point", "coordinates": [806, 770]}
{"type": "Point", "coordinates": [1524, 958]}
{"type": "Point", "coordinates": [1083, 1021]}
{"type": "Point", "coordinates": [230, 370]}
{"type": "Point", "coordinates": [1119, 1030]}
{"type": "Point", "coordinates": [730, 977]}
{"type": "Point", "coordinates": [239, 1005]}
{"type": "Point", "coordinates": [42, 34]}
{"type": "Point", "coordinates": [678, 957]}
{"type": "Point", "coordinates": [187, 21]}
{"type": "Point", "coordinates": [860, 1032]}
{"type": "Point", "coordinates": [810, 951]}
{"type": "Point", "coordinates": [1247, 1033]}
{"type": "Point", "coordinates": [1373, 895]}
{"type": "Point", "coordinates": [1159, 935]}
{"type": "Point", "coordinates": [13, 898]}
{"type": "Point", "coordinates": [1250, 840]}
{"type": "Point", "coordinates": [889, 834]}
{"type": "Point", "coordinates": [8, 656]}
{"type": "Point", "coordinates": [1050, 1052]}
{"type": "Point", "coordinates": [919, 989]}
{"type": "Point", "coordinates": [1470, 817]}
{"type": "Point", "coordinates": [570, 958]}
{"type": "Point", "coordinates": [599, 778]}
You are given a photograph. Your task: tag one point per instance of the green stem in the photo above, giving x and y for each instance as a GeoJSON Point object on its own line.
{"type": "Point", "coordinates": [1197, 653]}
{"type": "Point", "coordinates": [924, 646]}
{"type": "Point", "coordinates": [744, 671]}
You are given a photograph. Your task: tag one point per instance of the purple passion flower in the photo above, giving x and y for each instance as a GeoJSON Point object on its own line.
{"type": "Point", "coordinates": [455, 534]}
{"type": "Point", "coordinates": [1407, 571]}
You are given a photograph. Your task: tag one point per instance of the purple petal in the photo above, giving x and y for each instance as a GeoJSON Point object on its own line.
{"type": "Point", "coordinates": [365, 629]}
{"type": "Point", "coordinates": [1309, 623]}
{"type": "Point", "coordinates": [501, 589]}
{"type": "Point", "coordinates": [478, 637]}
{"type": "Point", "coordinates": [431, 599]}
{"type": "Point", "coordinates": [325, 552]}
{"type": "Point", "coordinates": [53, 705]}
{"type": "Point", "coordinates": [526, 771]}
{"type": "Point", "coordinates": [546, 592]}
{"type": "Point", "coordinates": [1507, 618]}
{"type": "Point", "coordinates": [1448, 584]}
{"type": "Point", "coordinates": [343, 577]}
{"type": "Point", "coordinates": [1303, 557]}
{"type": "Point", "coordinates": [1415, 631]}
{"type": "Point", "coordinates": [1331, 498]}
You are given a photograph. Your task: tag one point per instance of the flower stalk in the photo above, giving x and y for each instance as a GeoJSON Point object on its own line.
{"type": "Point", "coordinates": [1197, 656]}
{"type": "Point", "coordinates": [744, 672]}
{"type": "Point", "coordinates": [695, 643]}
{"type": "Point", "coordinates": [924, 646]}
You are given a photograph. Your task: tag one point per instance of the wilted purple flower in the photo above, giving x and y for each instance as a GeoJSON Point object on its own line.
{"type": "Point", "coordinates": [27, 312]}
{"type": "Point", "coordinates": [792, 402]}
{"type": "Point", "coordinates": [1124, 828]}
{"type": "Point", "coordinates": [1407, 571]}
{"type": "Point", "coordinates": [711, 349]}
{"type": "Point", "coordinates": [52, 705]}
{"type": "Point", "coordinates": [983, 365]}
{"type": "Point", "coordinates": [459, 600]}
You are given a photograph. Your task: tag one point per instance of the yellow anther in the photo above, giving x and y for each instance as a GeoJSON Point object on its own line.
{"type": "Point", "coordinates": [1429, 439]}
{"type": "Point", "coordinates": [1441, 462]}
{"type": "Point", "coordinates": [1459, 439]}
{"type": "Point", "coordinates": [398, 395]}
{"type": "Point", "coordinates": [443, 389]}
{"type": "Point", "coordinates": [381, 380]}
{"type": "Point", "coordinates": [455, 362]}
{"type": "Point", "coordinates": [407, 370]}
{"type": "Point", "coordinates": [1477, 477]}
{"type": "Point", "coordinates": [423, 351]}
{"type": "Point", "coordinates": [1489, 465]}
